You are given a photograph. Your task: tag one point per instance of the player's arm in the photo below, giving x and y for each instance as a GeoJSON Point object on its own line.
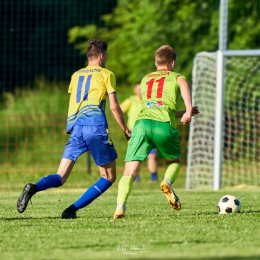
{"type": "Point", "coordinates": [118, 114]}
{"type": "Point", "coordinates": [195, 111]}
{"type": "Point", "coordinates": [186, 95]}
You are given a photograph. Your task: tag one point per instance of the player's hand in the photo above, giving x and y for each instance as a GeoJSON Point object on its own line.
{"type": "Point", "coordinates": [186, 118]}
{"type": "Point", "coordinates": [127, 134]}
{"type": "Point", "coordinates": [195, 111]}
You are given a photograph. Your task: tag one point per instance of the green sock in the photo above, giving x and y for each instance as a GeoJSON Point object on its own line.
{"type": "Point", "coordinates": [124, 189]}
{"type": "Point", "coordinates": [172, 172]}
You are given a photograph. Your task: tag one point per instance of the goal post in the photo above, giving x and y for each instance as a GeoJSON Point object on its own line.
{"type": "Point", "coordinates": [224, 147]}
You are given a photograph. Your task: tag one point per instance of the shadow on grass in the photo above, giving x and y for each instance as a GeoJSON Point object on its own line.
{"type": "Point", "coordinates": [28, 218]}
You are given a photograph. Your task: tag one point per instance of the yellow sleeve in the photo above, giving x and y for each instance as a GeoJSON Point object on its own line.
{"type": "Point", "coordinates": [71, 83]}
{"type": "Point", "coordinates": [126, 104]}
{"type": "Point", "coordinates": [179, 76]}
{"type": "Point", "coordinates": [111, 83]}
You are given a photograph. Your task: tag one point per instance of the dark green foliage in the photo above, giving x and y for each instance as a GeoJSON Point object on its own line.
{"type": "Point", "coordinates": [135, 29]}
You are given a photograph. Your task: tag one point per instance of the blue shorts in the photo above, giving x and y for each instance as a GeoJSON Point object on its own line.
{"type": "Point", "coordinates": [153, 151]}
{"type": "Point", "coordinates": [92, 138]}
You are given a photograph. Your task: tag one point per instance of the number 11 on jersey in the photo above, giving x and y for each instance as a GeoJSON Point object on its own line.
{"type": "Point", "coordinates": [160, 85]}
{"type": "Point", "coordinates": [79, 88]}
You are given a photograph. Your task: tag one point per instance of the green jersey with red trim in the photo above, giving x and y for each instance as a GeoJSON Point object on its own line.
{"type": "Point", "coordinates": [160, 92]}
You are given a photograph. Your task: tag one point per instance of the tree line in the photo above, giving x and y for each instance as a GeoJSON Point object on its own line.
{"type": "Point", "coordinates": [135, 29]}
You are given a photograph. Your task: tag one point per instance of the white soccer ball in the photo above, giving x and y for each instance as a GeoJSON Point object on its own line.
{"type": "Point", "coordinates": [229, 204]}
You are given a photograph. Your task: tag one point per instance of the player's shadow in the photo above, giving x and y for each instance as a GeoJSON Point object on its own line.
{"type": "Point", "coordinates": [28, 218]}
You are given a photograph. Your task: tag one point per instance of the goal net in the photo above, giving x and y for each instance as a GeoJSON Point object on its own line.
{"type": "Point", "coordinates": [240, 142]}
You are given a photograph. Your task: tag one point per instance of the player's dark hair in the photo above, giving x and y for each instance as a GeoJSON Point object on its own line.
{"type": "Point", "coordinates": [95, 47]}
{"type": "Point", "coordinates": [165, 55]}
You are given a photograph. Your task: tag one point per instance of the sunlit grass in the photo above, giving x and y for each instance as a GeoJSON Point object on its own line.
{"type": "Point", "coordinates": [150, 230]}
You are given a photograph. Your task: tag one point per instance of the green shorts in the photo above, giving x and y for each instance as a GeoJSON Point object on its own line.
{"type": "Point", "coordinates": [148, 134]}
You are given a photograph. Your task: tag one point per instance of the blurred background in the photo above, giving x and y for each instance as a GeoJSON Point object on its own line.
{"type": "Point", "coordinates": [44, 42]}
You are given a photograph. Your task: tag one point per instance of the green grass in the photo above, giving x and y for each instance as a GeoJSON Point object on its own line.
{"type": "Point", "coordinates": [150, 230]}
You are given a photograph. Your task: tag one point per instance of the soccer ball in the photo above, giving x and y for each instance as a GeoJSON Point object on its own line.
{"type": "Point", "coordinates": [229, 204]}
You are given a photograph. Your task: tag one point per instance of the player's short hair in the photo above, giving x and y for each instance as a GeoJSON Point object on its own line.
{"type": "Point", "coordinates": [165, 55]}
{"type": "Point", "coordinates": [95, 47]}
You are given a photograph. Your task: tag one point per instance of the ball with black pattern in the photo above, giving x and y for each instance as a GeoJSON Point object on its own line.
{"type": "Point", "coordinates": [229, 204]}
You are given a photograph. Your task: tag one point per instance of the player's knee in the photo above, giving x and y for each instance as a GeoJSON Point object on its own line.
{"type": "Point", "coordinates": [63, 180]}
{"type": "Point", "coordinates": [112, 178]}
{"type": "Point", "coordinates": [170, 161]}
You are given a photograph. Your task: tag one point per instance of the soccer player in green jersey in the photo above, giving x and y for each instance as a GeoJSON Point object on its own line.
{"type": "Point", "coordinates": [88, 129]}
{"type": "Point", "coordinates": [155, 127]}
{"type": "Point", "coordinates": [132, 106]}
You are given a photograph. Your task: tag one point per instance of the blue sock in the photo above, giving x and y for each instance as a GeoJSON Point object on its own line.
{"type": "Point", "coordinates": [92, 193]}
{"type": "Point", "coordinates": [154, 176]}
{"type": "Point", "coordinates": [137, 178]}
{"type": "Point", "coordinates": [49, 181]}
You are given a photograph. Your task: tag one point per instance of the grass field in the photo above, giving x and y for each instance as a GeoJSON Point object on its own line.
{"type": "Point", "coordinates": [150, 230]}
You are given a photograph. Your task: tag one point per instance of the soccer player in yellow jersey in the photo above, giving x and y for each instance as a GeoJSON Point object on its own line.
{"type": "Point", "coordinates": [88, 129]}
{"type": "Point", "coordinates": [155, 127]}
{"type": "Point", "coordinates": [132, 106]}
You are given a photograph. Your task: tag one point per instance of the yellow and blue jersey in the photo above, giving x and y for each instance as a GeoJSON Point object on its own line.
{"type": "Point", "coordinates": [88, 90]}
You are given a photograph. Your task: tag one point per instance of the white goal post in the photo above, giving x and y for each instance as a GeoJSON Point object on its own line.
{"type": "Point", "coordinates": [224, 139]}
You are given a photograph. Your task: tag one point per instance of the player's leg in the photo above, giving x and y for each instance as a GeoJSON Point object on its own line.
{"type": "Point", "coordinates": [137, 174]}
{"type": "Point", "coordinates": [137, 177]}
{"type": "Point", "coordinates": [168, 145]}
{"type": "Point", "coordinates": [104, 155]}
{"type": "Point", "coordinates": [172, 170]}
{"type": "Point", "coordinates": [57, 179]}
{"type": "Point", "coordinates": [137, 151]}
{"type": "Point", "coordinates": [152, 164]}
{"type": "Point", "coordinates": [108, 176]}
{"type": "Point", "coordinates": [73, 149]}
{"type": "Point", "coordinates": [125, 186]}
{"type": "Point", "coordinates": [171, 173]}
{"type": "Point", "coordinates": [49, 181]}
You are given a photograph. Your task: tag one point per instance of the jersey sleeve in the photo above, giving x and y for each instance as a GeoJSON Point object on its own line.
{"type": "Point", "coordinates": [179, 76]}
{"type": "Point", "coordinates": [111, 83]}
{"type": "Point", "coordinates": [71, 83]}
